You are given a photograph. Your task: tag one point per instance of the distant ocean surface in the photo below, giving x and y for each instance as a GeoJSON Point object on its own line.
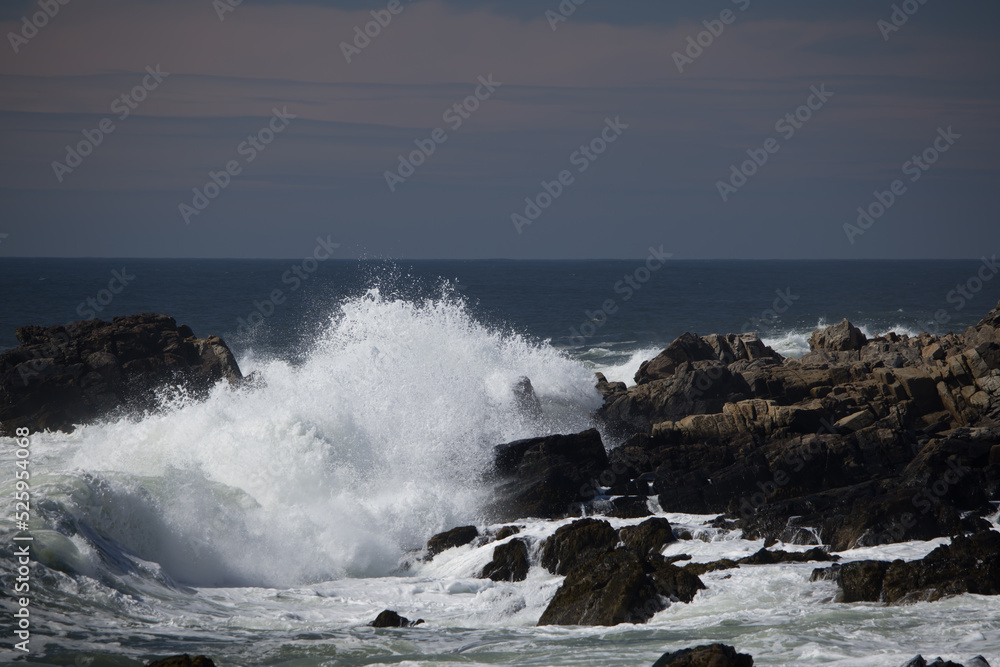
{"type": "Point", "coordinates": [561, 302]}
{"type": "Point", "coordinates": [268, 525]}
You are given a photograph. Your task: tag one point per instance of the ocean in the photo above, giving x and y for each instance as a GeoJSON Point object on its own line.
{"type": "Point", "coordinates": [268, 525]}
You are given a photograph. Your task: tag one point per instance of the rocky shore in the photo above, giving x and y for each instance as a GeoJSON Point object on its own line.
{"type": "Point", "coordinates": [861, 442]}
{"type": "Point", "coordinates": [66, 375]}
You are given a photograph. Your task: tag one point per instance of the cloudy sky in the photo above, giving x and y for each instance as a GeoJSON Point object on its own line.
{"type": "Point", "coordinates": [644, 108]}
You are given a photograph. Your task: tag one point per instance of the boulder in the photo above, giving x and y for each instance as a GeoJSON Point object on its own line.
{"type": "Point", "coordinates": [510, 562]}
{"type": "Point", "coordinates": [649, 537]}
{"type": "Point", "coordinates": [576, 543]}
{"type": "Point", "coordinates": [618, 587]}
{"type": "Point", "coordinates": [862, 581]}
{"type": "Point", "coordinates": [60, 377]}
{"type": "Point", "coordinates": [978, 661]}
{"type": "Point", "coordinates": [967, 565]}
{"type": "Point", "coordinates": [542, 477]}
{"type": "Point", "coordinates": [390, 619]}
{"type": "Point", "coordinates": [183, 661]}
{"type": "Point", "coordinates": [709, 655]}
{"type": "Point", "coordinates": [525, 399]}
{"type": "Point", "coordinates": [841, 337]}
{"type": "Point", "coordinates": [687, 347]}
{"type": "Point", "coordinates": [456, 537]}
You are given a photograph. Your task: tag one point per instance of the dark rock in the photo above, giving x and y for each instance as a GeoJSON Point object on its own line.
{"type": "Point", "coordinates": [765, 557]}
{"type": "Point", "coordinates": [618, 587]}
{"type": "Point", "coordinates": [542, 477]}
{"type": "Point", "coordinates": [60, 377]}
{"type": "Point", "coordinates": [699, 569]}
{"type": "Point", "coordinates": [183, 661]}
{"type": "Point", "coordinates": [576, 543]}
{"type": "Point", "coordinates": [507, 531]}
{"type": "Point", "coordinates": [862, 581]}
{"type": "Point", "coordinates": [390, 619]}
{"type": "Point", "coordinates": [629, 507]}
{"type": "Point", "coordinates": [711, 655]}
{"type": "Point", "coordinates": [967, 565]}
{"type": "Point", "coordinates": [456, 537]}
{"type": "Point", "coordinates": [510, 562]}
{"type": "Point", "coordinates": [525, 398]}
{"type": "Point", "coordinates": [648, 537]}
{"type": "Point", "coordinates": [940, 662]}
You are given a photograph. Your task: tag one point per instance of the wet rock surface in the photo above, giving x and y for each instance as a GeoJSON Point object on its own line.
{"type": "Point", "coordinates": [62, 376]}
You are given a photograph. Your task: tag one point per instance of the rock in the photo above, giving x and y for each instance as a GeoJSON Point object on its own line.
{"type": "Point", "coordinates": [765, 557]}
{"type": "Point", "coordinates": [59, 377]}
{"type": "Point", "coordinates": [183, 661]}
{"type": "Point", "coordinates": [525, 399]}
{"type": "Point", "coordinates": [542, 477]}
{"type": "Point", "coordinates": [919, 661]}
{"type": "Point", "coordinates": [709, 655]}
{"type": "Point", "coordinates": [629, 507]}
{"type": "Point", "coordinates": [650, 536]}
{"type": "Point", "coordinates": [699, 569]}
{"type": "Point", "coordinates": [510, 562]}
{"type": "Point", "coordinates": [687, 347]}
{"type": "Point", "coordinates": [857, 421]}
{"type": "Point", "coordinates": [390, 619]}
{"type": "Point", "coordinates": [841, 337]}
{"type": "Point", "coordinates": [618, 587]}
{"type": "Point", "coordinates": [576, 543]}
{"type": "Point", "coordinates": [862, 581]}
{"type": "Point", "coordinates": [967, 565]}
{"type": "Point", "coordinates": [507, 531]}
{"type": "Point", "coordinates": [456, 537]}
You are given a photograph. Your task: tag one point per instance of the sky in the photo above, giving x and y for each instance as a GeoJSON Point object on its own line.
{"type": "Point", "coordinates": [744, 129]}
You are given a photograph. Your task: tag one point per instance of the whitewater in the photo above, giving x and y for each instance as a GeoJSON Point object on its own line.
{"type": "Point", "coordinates": [268, 524]}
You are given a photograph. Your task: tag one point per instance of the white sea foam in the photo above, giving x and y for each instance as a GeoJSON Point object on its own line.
{"type": "Point", "coordinates": [326, 469]}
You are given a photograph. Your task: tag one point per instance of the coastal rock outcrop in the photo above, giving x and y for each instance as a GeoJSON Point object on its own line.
{"type": "Point", "coordinates": [510, 562]}
{"type": "Point", "coordinates": [967, 565]}
{"type": "Point", "coordinates": [542, 477]}
{"type": "Point", "coordinates": [449, 539]}
{"type": "Point", "coordinates": [62, 376]}
{"type": "Point", "coordinates": [861, 442]}
{"type": "Point", "coordinates": [709, 655]}
{"type": "Point", "coordinates": [618, 586]}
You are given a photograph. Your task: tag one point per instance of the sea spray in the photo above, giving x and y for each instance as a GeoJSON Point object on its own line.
{"type": "Point", "coordinates": [328, 468]}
